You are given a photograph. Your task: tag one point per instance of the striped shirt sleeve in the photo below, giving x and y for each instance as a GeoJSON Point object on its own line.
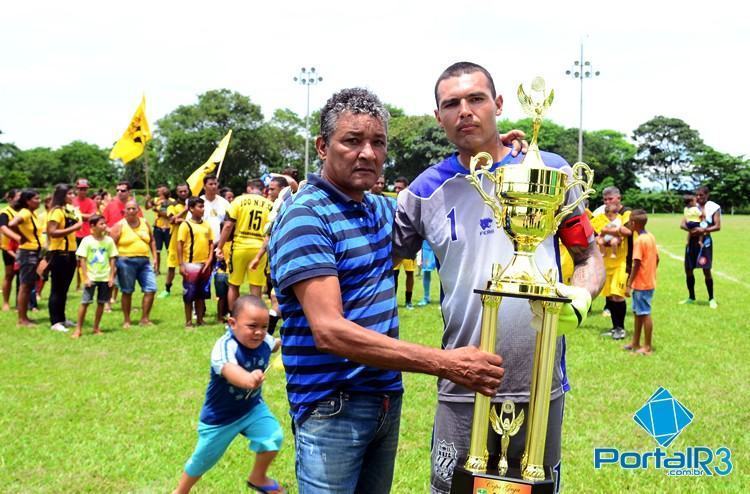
{"type": "Point", "coordinates": [303, 248]}
{"type": "Point", "coordinates": [223, 353]}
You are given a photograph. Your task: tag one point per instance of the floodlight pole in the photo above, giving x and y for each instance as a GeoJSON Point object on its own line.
{"type": "Point", "coordinates": [581, 70]}
{"type": "Point", "coordinates": [308, 77]}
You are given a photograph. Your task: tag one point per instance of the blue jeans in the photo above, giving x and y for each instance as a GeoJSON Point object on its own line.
{"type": "Point", "coordinates": [130, 269]}
{"type": "Point", "coordinates": [348, 444]}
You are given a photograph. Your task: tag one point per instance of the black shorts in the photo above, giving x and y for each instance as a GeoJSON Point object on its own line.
{"type": "Point", "coordinates": [103, 292]}
{"type": "Point", "coordinates": [161, 237]}
{"type": "Point", "coordinates": [697, 257]}
{"type": "Point", "coordinates": [8, 259]}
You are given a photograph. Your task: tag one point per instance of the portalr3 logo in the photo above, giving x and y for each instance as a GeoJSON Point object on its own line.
{"type": "Point", "coordinates": [663, 417]}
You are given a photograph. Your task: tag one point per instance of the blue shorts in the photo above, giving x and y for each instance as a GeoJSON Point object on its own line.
{"type": "Point", "coordinates": [642, 302]}
{"type": "Point", "coordinates": [259, 426]}
{"type": "Point", "coordinates": [102, 290]}
{"type": "Point", "coordinates": [130, 269]}
{"type": "Point", "coordinates": [221, 284]}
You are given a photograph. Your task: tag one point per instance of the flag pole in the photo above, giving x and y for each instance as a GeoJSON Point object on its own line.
{"type": "Point", "coordinates": [145, 166]}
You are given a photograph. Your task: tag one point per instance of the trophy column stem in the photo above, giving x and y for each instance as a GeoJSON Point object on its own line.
{"type": "Point", "coordinates": [544, 359]}
{"type": "Point", "coordinates": [477, 458]}
{"type": "Point", "coordinates": [532, 397]}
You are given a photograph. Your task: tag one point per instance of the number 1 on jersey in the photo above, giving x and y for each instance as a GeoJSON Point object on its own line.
{"type": "Point", "coordinates": [452, 216]}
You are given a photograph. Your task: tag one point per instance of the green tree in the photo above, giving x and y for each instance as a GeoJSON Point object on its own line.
{"type": "Point", "coordinates": [284, 136]}
{"type": "Point", "coordinates": [187, 136]}
{"type": "Point", "coordinates": [414, 143]}
{"type": "Point", "coordinates": [42, 166]}
{"type": "Point", "coordinates": [12, 175]}
{"type": "Point", "coordinates": [83, 160]}
{"type": "Point", "coordinates": [667, 148]}
{"type": "Point", "coordinates": [727, 177]}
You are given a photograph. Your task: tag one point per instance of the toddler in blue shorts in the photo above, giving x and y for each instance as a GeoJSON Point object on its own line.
{"type": "Point", "coordinates": [233, 403]}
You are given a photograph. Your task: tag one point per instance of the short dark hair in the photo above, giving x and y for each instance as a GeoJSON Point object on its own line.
{"type": "Point", "coordinates": [125, 183]}
{"type": "Point", "coordinates": [460, 68]}
{"type": "Point", "coordinates": [291, 171]}
{"type": "Point", "coordinates": [223, 192]}
{"type": "Point", "coordinates": [208, 177]}
{"type": "Point", "coordinates": [256, 183]}
{"type": "Point", "coordinates": [639, 216]}
{"type": "Point", "coordinates": [246, 301]}
{"type": "Point", "coordinates": [193, 201]}
{"type": "Point", "coordinates": [94, 219]}
{"type": "Point", "coordinates": [403, 180]}
{"type": "Point", "coordinates": [281, 181]}
{"type": "Point", "coordinates": [357, 101]}
{"type": "Point", "coordinates": [704, 189]}
{"type": "Point", "coordinates": [688, 198]}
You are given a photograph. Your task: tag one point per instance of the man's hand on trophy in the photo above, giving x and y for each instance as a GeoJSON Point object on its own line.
{"type": "Point", "coordinates": [477, 370]}
{"type": "Point", "coordinates": [572, 315]}
{"type": "Point", "coordinates": [515, 139]}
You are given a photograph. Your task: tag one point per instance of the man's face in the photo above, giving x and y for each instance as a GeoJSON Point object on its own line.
{"type": "Point", "coordinates": [274, 189]}
{"type": "Point", "coordinates": [613, 199]}
{"type": "Point", "coordinates": [162, 191]}
{"type": "Point", "coordinates": [398, 186]}
{"type": "Point", "coordinates": [355, 155]}
{"type": "Point", "coordinates": [82, 192]}
{"type": "Point", "coordinates": [379, 186]}
{"type": "Point", "coordinates": [250, 326]}
{"type": "Point", "coordinates": [467, 112]}
{"type": "Point", "coordinates": [701, 197]}
{"type": "Point", "coordinates": [123, 192]}
{"type": "Point", "coordinates": [182, 191]}
{"type": "Point", "coordinates": [211, 186]}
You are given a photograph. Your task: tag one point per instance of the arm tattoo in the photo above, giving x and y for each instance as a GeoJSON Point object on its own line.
{"type": "Point", "coordinates": [589, 268]}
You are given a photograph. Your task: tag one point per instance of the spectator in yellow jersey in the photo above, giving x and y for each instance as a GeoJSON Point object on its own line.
{"type": "Point", "coordinates": [62, 225]}
{"type": "Point", "coordinates": [135, 243]}
{"type": "Point", "coordinates": [10, 241]}
{"type": "Point", "coordinates": [176, 214]}
{"type": "Point", "coordinates": [245, 227]}
{"type": "Point", "coordinates": [195, 240]}
{"type": "Point", "coordinates": [162, 226]}
{"type": "Point", "coordinates": [26, 225]}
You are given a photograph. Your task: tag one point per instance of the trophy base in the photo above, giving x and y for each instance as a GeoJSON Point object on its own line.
{"type": "Point", "coordinates": [468, 482]}
{"type": "Point", "coordinates": [528, 296]}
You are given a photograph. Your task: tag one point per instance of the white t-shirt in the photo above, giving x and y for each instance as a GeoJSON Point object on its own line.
{"type": "Point", "coordinates": [214, 213]}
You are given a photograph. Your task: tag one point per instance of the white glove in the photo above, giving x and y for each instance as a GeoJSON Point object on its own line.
{"type": "Point", "coordinates": [572, 314]}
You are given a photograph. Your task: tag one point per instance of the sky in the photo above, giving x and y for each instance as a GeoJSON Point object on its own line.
{"type": "Point", "coordinates": [76, 70]}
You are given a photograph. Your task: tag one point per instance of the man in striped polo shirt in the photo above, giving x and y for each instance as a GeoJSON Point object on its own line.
{"type": "Point", "coordinates": [331, 266]}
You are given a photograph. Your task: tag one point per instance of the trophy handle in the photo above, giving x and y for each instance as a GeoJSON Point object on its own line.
{"type": "Point", "coordinates": [474, 178]}
{"type": "Point", "coordinates": [583, 176]}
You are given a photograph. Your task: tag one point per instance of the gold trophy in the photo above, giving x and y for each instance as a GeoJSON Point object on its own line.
{"type": "Point", "coordinates": [528, 203]}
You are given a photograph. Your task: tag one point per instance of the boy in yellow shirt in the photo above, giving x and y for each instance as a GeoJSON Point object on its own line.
{"type": "Point", "coordinates": [195, 257]}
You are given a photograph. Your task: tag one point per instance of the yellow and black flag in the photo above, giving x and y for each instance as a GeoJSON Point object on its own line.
{"type": "Point", "coordinates": [195, 180]}
{"type": "Point", "coordinates": [133, 141]}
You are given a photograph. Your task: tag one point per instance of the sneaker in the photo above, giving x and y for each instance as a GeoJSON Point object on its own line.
{"type": "Point", "coordinates": [712, 303]}
{"type": "Point", "coordinates": [163, 294]}
{"type": "Point", "coordinates": [687, 301]}
{"type": "Point", "coordinates": [618, 334]}
{"type": "Point", "coordinates": [609, 332]}
{"type": "Point", "coordinates": [409, 306]}
{"type": "Point", "coordinates": [606, 313]}
{"type": "Point", "coordinates": [58, 326]}
{"type": "Point", "coordinates": [422, 303]}
{"type": "Point", "coordinates": [69, 324]}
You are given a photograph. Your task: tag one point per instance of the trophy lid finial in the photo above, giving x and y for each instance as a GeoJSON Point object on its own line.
{"type": "Point", "coordinates": [535, 108]}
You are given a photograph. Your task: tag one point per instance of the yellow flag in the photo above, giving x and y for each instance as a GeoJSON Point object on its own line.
{"type": "Point", "coordinates": [133, 141]}
{"type": "Point", "coordinates": [195, 180]}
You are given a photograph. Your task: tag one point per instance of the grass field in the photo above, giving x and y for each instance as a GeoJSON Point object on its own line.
{"type": "Point", "coordinates": [117, 413]}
